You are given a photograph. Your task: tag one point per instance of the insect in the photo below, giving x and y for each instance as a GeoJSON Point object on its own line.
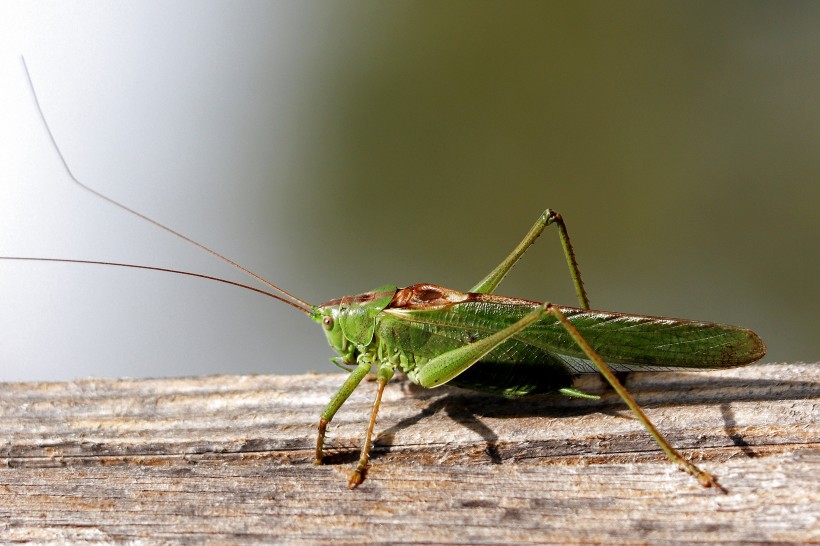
{"type": "Point", "coordinates": [490, 343]}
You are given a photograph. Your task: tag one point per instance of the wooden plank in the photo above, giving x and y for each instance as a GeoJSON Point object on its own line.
{"type": "Point", "coordinates": [229, 459]}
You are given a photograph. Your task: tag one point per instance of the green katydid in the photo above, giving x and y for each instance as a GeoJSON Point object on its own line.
{"type": "Point", "coordinates": [514, 347]}
{"type": "Point", "coordinates": [490, 343]}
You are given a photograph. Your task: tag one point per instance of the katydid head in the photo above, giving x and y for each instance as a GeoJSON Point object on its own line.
{"type": "Point", "coordinates": [328, 315]}
{"type": "Point", "coordinates": [350, 322]}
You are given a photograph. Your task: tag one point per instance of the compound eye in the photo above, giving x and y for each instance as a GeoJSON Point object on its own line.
{"type": "Point", "coordinates": [327, 322]}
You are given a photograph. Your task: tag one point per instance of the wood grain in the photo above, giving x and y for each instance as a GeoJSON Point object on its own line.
{"type": "Point", "coordinates": [229, 459]}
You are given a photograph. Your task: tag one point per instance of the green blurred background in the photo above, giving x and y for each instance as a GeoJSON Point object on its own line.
{"type": "Point", "coordinates": [333, 147]}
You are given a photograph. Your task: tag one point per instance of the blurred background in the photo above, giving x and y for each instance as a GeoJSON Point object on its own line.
{"type": "Point", "coordinates": [333, 147]}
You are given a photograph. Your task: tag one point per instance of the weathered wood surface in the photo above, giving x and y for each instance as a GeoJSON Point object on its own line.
{"type": "Point", "coordinates": [229, 459]}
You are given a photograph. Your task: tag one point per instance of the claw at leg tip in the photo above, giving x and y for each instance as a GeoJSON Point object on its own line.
{"type": "Point", "coordinates": [708, 480]}
{"type": "Point", "coordinates": [355, 480]}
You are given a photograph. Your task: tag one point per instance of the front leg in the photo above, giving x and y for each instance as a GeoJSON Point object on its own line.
{"type": "Point", "coordinates": [350, 384]}
{"type": "Point", "coordinates": [384, 375]}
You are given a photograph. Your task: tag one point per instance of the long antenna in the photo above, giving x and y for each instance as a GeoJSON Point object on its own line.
{"type": "Point", "coordinates": [163, 269]}
{"type": "Point", "coordinates": [248, 272]}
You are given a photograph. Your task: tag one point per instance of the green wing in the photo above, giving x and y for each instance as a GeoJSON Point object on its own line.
{"type": "Point", "coordinates": [625, 342]}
